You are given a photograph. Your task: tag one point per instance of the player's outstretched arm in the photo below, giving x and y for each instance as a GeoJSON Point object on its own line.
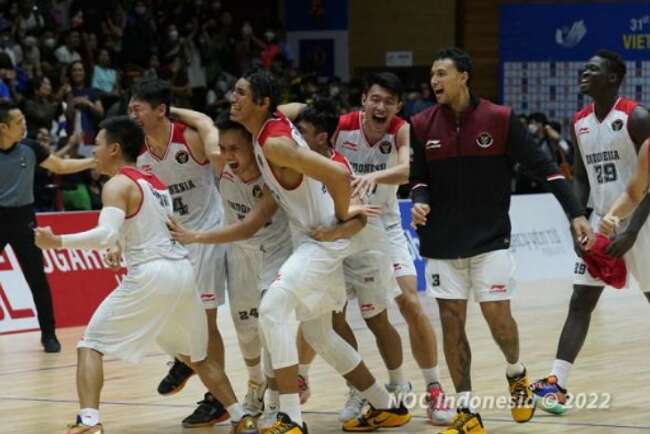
{"type": "Point", "coordinates": [60, 166]}
{"type": "Point", "coordinates": [246, 228]}
{"type": "Point", "coordinates": [283, 152]}
{"type": "Point", "coordinates": [292, 110]}
{"type": "Point", "coordinates": [118, 197]}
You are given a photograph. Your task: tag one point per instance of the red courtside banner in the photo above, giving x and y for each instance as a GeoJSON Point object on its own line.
{"type": "Point", "coordinates": [79, 279]}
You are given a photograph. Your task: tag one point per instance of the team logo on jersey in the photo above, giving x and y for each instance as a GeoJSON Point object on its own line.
{"type": "Point", "coordinates": [583, 130]}
{"type": "Point", "coordinates": [350, 145]}
{"type": "Point", "coordinates": [385, 147]}
{"type": "Point", "coordinates": [617, 125]}
{"type": "Point", "coordinates": [146, 168]}
{"type": "Point", "coordinates": [484, 140]}
{"type": "Point", "coordinates": [257, 191]}
{"type": "Point", "coordinates": [182, 157]}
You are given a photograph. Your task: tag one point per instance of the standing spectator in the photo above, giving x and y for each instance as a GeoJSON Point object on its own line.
{"type": "Point", "coordinates": [18, 159]}
{"type": "Point", "coordinates": [85, 109]}
{"type": "Point", "coordinates": [105, 78]}
{"type": "Point", "coordinates": [30, 19]}
{"type": "Point", "coordinates": [140, 33]}
{"type": "Point", "coordinates": [7, 75]}
{"type": "Point", "coordinates": [248, 48]}
{"type": "Point", "coordinates": [60, 14]}
{"type": "Point", "coordinates": [42, 109]}
{"type": "Point", "coordinates": [67, 53]}
{"type": "Point", "coordinates": [31, 57]}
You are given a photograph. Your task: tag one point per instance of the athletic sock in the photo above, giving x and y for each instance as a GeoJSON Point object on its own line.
{"type": "Point", "coordinates": [377, 396]}
{"type": "Point", "coordinates": [396, 377]}
{"type": "Point", "coordinates": [515, 369]}
{"type": "Point", "coordinates": [430, 375]}
{"type": "Point", "coordinates": [561, 369]}
{"type": "Point", "coordinates": [236, 412]}
{"type": "Point", "coordinates": [290, 405]}
{"type": "Point", "coordinates": [89, 416]}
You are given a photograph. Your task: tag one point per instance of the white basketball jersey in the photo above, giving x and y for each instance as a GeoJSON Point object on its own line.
{"type": "Point", "coordinates": [144, 235]}
{"type": "Point", "coordinates": [239, 198]}
{"type": "Point", "coordinates": [608, 152]}
{"type": "Point", "coordinates": [367, 158]}
{"type": "Point", "coordinates": [307, 205]}
{"type": "Point", "coordinates": [191, 183]}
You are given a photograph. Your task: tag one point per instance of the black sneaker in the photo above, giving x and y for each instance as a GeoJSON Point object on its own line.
{"type": "Point", "coordinates": [175, 379]}
{"type": "Point", "coordinates": [51, 344]}
{"type": "Point", "coordinates": [209, 412]}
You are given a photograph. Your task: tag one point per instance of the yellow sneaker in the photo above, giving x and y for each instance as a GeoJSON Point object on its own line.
{"type": "Point", "coordinates": [246, 425]}
{"type": "Point", "coordinates": [284, 425]}
{"type": "Point", "coordinates": [374, 419]}
{"type": "Point", "coordinates": [80, 428]}
{"type": "Point", "coordinates": [522, 406]}
{"type": "Point", "coordinates": [465, 423]}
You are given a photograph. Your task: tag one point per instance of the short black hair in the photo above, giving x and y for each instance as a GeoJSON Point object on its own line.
{"type": "Point", "coordinates": [322, 114]}
{"type": "Point", "coordinates": [127, 133]}
{"type": "Point", "coordinates": [264, 85]}
{"type": "Point", "coordinates": [538, 117]}
{"type": "Point", "coordinates": [5, 108]}
{"type": "Point", "coordinates": [385, 80]}
{"type": "Point", "coordinates": [154, 91]}
{"type": "Point", "coordinates": [224, 123]}
{"type": "Point", "coordinates": [615, 64]}
{"type": "Point", "coordinates": [461, 59]}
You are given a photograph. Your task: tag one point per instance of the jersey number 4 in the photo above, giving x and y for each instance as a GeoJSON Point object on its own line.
{"type": "Point", "coordinates": [179, 207]}
{"type": "Point", "coordinates": [605, 173]}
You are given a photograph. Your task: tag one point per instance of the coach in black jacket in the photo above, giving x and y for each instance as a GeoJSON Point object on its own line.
{"type": "Point", "coordinates": [464, 149]}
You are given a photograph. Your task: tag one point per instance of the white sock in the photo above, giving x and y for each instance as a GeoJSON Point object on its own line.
{"type": "Point", "coordinates": [515, 370]}
{"type": "Point", "coordinates": [396, 376]}
{"type": "Point", "coordinates": [377, 396]}
{"type": "Point", "coordinates": [89, 416]}
{"type": "Point", "coordinates": [236, 412]}
{"type": "Point", "coordinates": [304, 370]}
{"type": "Point", "coordinates": [561, 369]}
{"type": "Point", "coordinates": [464, 400]}
{"type": "Point", "coordinates": [272, 399]}
{"type": "Point", "coordinates": [255, 373]}
{"type": "Point", "coordinates": [290, 405]}
{"type": "Point", "coordinates": [430, 375]}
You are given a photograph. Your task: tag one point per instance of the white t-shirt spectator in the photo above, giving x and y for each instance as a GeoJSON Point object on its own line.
{"type": "Point", "coordinates": [63, 55]}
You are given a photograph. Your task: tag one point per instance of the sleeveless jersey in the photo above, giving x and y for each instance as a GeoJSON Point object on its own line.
{"type": "Point", "coordinates": [608, 151]}
{"type": "Point", "coordinates": [191, 183]}
{"type": "Point", "coordinates": [239, 198]}
{"type": "Point", "coordinates": [144, 235]}
{"type": "Point", "coordinates": [366, 158]}
{"type": "Point", "coordinates": [307, 205]}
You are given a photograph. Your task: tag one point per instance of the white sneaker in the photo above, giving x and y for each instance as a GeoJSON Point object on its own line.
{"type": "Point", "coordinates": [268, 418]}
{"type": "Point", "coordinates": [254, 401]}
{"type": "Point", "coordinates": [438, 411]}
{"type": "Point", "coordinates": [353, 406]}
{"type": "Point", "coordinates": [399, 391]}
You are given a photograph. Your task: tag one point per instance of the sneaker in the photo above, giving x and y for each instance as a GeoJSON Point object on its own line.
{"type": "Point", "coordinates": [80, 428]}
{"type": "Point", "coordinates": [303, 387]}
{"type": "Point", "coordinates": [267, 419]}
{"type": "Point", "coordinates": [465, 422]}
{"type": "Point", "coordinates": [438, 411]}
{"type": "Point", "coordinates": [254, 401]}
{"type": "Point", "coordinates": [175, 379]}
{"type": "Point", "coordinates": [399, 391]}
{"type": "Point", "coordinates": [374, 419]}
{"type": "Point", "coordinates": [549, 396]}
{"type": "Point", "coordinates": [246, 425]}
{"type": "Point", "coordinates": [353, 406]}
{"type": "Point", "coordinates": [50, 344]}
{"type": "Point", "coordinates": [209, 412]}
{"type": "Point", "coordinates": [522, 407]}
{"type": "Point", "coordinates": [284, 425]}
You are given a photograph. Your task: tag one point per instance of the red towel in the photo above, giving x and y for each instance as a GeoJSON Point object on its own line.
{"type": "Point", "coordinates": [610, 270]}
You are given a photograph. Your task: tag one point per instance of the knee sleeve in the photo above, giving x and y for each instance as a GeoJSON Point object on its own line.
{"type": "Point", "coordinates": [249, 343]}
{"type": "Point", "coordinates": [329, 345]}
{"type": "Point", "coordinates": [277, 313]}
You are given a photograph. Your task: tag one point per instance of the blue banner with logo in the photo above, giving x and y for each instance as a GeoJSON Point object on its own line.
{"type": "Point", "coordinates": [542, 32]}
{"type": "Point", "coordinates": [413, 241]}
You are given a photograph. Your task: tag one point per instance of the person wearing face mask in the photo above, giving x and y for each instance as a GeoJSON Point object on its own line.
{"type": "Point", "coordinates": [464, 148]}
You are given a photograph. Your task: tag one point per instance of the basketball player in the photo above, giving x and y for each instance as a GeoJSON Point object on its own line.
{"type": "Point", "coordinates": [376, 142]}
{"type": "Point", "coordinates": [313, 191]}
{"type": "Point", "coordinates": [181, 160]}
{"type": "Point", "coordinates": [464, 150]}
{"type": "Point", "coordinates": [367, 272]}
{"type": "Point", "coordinates": [257, 233]}
{"type": "Point", "coordinates": [157, 301]}
{"type": "Point", "coordinates": [608, 134]}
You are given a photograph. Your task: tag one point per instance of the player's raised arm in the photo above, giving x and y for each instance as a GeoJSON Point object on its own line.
{"type": "Point", "coordinates": [207, 145]}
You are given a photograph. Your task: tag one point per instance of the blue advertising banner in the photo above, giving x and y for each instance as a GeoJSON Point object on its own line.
{"type": "Point", "coordinates": [313, 15]}
{"type": "Point", "coordinates": [413, 241]}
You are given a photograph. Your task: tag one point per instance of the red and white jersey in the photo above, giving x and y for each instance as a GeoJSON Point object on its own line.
{"type": "Point", "coordinates": [308, 204]}
{"type": "Point", "coordinates": [191, 183]}
{"type": "Point", "coordinates": [366, 158]}
{"type": "Point", "coordinates": [239, 198]}
{"type": "Point", "coordinates": [608, 151]}
{"type": "Point", "coordinates": [144, 235]}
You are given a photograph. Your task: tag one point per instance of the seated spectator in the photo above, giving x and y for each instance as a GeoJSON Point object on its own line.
{"type": "Point", "coordinates": [42, 109]}
{"type": "Point", "coordinates": [67, 53]}
{"type": "Point", "coordinates": [7, 75]}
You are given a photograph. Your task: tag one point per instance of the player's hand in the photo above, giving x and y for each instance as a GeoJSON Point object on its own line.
{"type": "Point", "coordinates": [608, 225]}
{"type": "Point", "coordinates": [583, 235]}
{"type": "Point", "coordinates": [179, 233]}
{"type": "Point", "coordinates": [419, 213]}
{"type": "Point", "coordinates": [621, 244]}
{"type": "Point", "coordinates": [324, 233]}
{"type": "Point", "coordinates": [113, 257]}
{"type": "Point", "coordinates": [363, 186]}
{"type": "Point", "coordinates": [45, 239]}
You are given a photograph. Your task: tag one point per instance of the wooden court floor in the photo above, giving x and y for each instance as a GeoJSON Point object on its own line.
{"type": "Point", "coordinates": [38, 395]}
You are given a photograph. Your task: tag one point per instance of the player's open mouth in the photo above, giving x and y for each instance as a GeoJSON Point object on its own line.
{"type": "Point", "coordinates": [438, 92]}
{"type": "Point", "coordinates": [233, 165]}
{"type": "Point", "coordinates": [380, 119]}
